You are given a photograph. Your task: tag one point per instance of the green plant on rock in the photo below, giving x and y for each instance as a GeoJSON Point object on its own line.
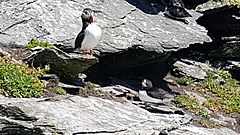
{"type": "Point", "coordinates": [58, 90]}
{"type": "Point", "coordinates": [223, 95]}
{"type": "Point", "coordinates": [34, 43]}
{"type": "Point", "coordinates": [186, 101]}
{"type": "Point", "coordinates": [186, 80]}
{"type": "Point", "coordinates": [229, 2]}
{"type": "Point", "coordinates": [201, 112]}
{"type": "Point", "coordinates": [89, 90]}
{"type": "Point", "coordinates": [18, 80]}
{"type": "Point", "coordinates": [43, 70]}
{"type": "Point", "coordinates": [191, 104]}
{"type": "Point", "coordinates": [209, 123]}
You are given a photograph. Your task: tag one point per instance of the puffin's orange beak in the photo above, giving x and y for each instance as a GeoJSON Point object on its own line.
{"type": "Point", "coordinates": [91, 19]}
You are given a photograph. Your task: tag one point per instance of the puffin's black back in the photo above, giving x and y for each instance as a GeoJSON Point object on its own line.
{"type": "Point", "coordinates": [156, 92]}
{"type": "Point", "coordinates": [79, 40]}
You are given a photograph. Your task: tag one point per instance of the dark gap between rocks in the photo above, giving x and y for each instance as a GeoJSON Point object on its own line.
{"type": "Point", "coordinates": [133, 64]}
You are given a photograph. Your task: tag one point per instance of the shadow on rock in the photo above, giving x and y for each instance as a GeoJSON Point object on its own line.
{"type": "Point", "coordinates": [129, 68]}
{"type": "Point", "coordinates": [147, 6]}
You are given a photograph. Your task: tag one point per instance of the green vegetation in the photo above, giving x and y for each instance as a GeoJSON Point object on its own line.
{"type": "Point", "coordinates": [52, 85]}
{"type": "Point", "coordinates": [227, 2]}
{"type": "Point", "coordinates": [191, 104]}
{"type": "Point", "coordinates": [220, 89]}
{"type": "Point", "coordinates": [201, 112]}
{"type": "Point", "coordinates": [18, 80]}
{"type": "Point", "coordinates": [223, 95]}
{"type": "Point", "coordinates": [233, 2]}
{"type": "Point", "coordinates": [209, 123]}
{"type": "Point", "coordinates": [43, 70]}
{"type": "Point", "coordinates": [34, 43]}
{"type": "Point", "coordinates": [185, 80]}
{"type": "Point", "coordinates": [58, 90]}
{"type": "Point", "coordinates": [89, 90]}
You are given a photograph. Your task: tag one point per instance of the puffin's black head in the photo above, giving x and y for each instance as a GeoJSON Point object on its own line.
{"type": "Point", "coordinates": [146, 84]}
{"type": "Point", "coordinates": [87, 15]}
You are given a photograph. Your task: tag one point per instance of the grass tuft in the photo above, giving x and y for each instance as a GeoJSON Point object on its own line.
{"type": "Point", "coordinates": [209, 123]}
{"type": "Point", "coordinates": [89, 90]}
{"type": "Point", "coordinates": [223, 91]}
{"type": "Point", "coordinates": [58, 90]}
{"type": "Point", "coordinates": [185, 80]}
{"type": "Point", "coordinates": [34, 43]}
{"type": "Point", "coordinates": [18, 80]}
{"type": "Point", "coordinates": [191, 104]}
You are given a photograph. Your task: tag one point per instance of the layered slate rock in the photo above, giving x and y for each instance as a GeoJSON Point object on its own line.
{"type": "Point", "coordinates": [214, 4]}
{"type": "Point", "coordinates": [191, 68]}
{"type": "Point", "coordinates": [78, 115]}
{"type": "Point", "coordinates": [9, 115]}
{"type": "Point", "coordinates": [68, 66]}
{"type": "Point", "coordinates": [130, 24]}
{"type": "Point", "coordinates": [202, 131]}
{"type": "Point", "coordinates": [221, 18]}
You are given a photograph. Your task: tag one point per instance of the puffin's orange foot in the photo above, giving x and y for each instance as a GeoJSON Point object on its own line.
{"type": "Point", "coordinates": [87, 52]}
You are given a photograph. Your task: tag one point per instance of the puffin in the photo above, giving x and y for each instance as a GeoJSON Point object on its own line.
{"type": "Point", "coordinates": [175, 9]}
{"type": "Point", "coordinates": [150, 94]}
{"type": "Point", "coordinates": [90, 34]}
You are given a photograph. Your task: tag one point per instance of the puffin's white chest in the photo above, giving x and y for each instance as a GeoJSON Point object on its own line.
{"type": "Point", "coordinates": [92, 36]}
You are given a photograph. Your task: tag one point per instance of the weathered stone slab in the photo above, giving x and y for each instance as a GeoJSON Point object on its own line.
{"type": "Point", "coordinates": [79, 115]}
{"type": "Point", "coordinates": [125, 24]}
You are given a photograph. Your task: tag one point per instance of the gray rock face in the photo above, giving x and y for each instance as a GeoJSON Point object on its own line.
{"type": "Point", "coordinates": [208, 5]}
{"type": "Point", "coordinates": [125, 24]}
{"type": "Point", "coordinates": [78, 115]}
{"type": "Point", "coordinates": [67, 66]}
{"type": "Point", "coordinates": [191, 68]}
{"type": "Point", "coordinates": [202, 131]}
{"type": "Point", "coordinates": [11, 127]}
